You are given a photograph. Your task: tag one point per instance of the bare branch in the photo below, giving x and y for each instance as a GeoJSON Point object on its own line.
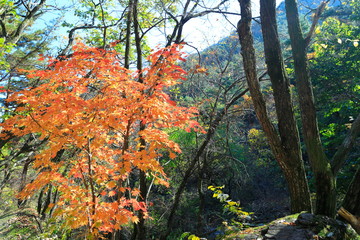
{"type": "Point", "coordinates": [31, 15]}
{"type": "Point", "coordinates": [316, 18]}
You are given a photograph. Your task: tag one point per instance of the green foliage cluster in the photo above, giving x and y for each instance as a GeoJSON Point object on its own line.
{"type": "Point", "coordinates": [335, 71]}
{"type": "Point", "coordinates": [5, 49]}
{"type": "Point", "coordinates": [231, 207]}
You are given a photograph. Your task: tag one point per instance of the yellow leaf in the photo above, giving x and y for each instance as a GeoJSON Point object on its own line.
{"type": "Point", "coordinates": [134, 219]}
{"type": "Point", "coordinates": [311, 55]}
{"type": "Point", "coordinates": [231, 203]}
{"type": "Point", "coordinates": [246, 97]}
{"type": "Point", "coordinates": [193, 237]}
{"type": "Point", "coordinates": [323, 45]}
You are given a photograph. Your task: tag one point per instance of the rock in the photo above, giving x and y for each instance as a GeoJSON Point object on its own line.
{"type": "Point", "coordinates": [306, 219]}
{"type": "Point", "coordinates": [323, 227]}
{"type": "Point", "coordinates": [284, 232]}
{"type": "Point", "coordinates": [297, 227]}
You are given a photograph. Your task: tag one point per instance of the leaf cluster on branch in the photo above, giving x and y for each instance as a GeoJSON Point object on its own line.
{"type": "Point", "coordinates": [91, 107]}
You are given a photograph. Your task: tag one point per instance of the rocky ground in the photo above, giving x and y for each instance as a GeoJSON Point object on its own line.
{"type": "Point", "coordinates": [299, 227]}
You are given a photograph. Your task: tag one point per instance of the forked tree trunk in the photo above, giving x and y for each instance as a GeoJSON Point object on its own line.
{"type": "Point", "coordinates": [288, 131]}
{"type": "Point", "coordinates": [325, 181]}
{"type": "Point", "coordinates": [285, 145]}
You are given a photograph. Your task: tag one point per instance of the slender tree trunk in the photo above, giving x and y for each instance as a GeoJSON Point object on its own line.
{"type": "Point", "coordinates": [23, 180]}
{"type": "Point", "coordinates": [128, 35]}
{"type": "Point", "coordinates": [213, 126]}
{"type": "Point", "coordinates": [352, 198]}
{"type": "Point", "coordinates": [325, 181]}
{"type": "Point", "coordinates": [140, 226]}
{"type": "Point", "coordinates": [285, 145]}
{"type": "Point", "coordinates": [339, 157]}
{"type": "Point", "coordinates": [46, 203]}
{"type": "Point", "coordinates": [200, 217]}
{"type": "Point", "coordinates": [287, 126]}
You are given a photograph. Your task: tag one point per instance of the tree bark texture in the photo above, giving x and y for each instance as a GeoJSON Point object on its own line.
{"type": "Point", "coordinates": [140, 231]}
{"type": "Point", "coordinates": [284, 147]}
{"type": "Point", "coordinates": [128, 35]}
{"type": "Point", "coordinates": [287, 126]}
{"type": "Point", "coordinates": [352, 198]}
{"type": "Point", "coordinates": [339, 157]}
{"type": "Point", "coordinates": [324, 178]}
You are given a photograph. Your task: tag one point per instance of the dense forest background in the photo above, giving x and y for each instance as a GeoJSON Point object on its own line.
{"type": "Point", "coordinates": [250, 153]}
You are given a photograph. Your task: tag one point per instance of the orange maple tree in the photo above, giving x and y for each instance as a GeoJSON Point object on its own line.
{"type": "Point", "coordinates": [91, 107]}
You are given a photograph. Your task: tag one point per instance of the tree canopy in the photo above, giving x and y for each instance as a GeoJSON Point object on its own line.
{"type": "Point", "coordinates": [106, 136]}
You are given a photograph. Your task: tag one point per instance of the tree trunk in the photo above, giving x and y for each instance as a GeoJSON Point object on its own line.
{"type": "Point", "coordinates": [140, 231]}
{"type": "Point", "coordinates": [285, 147]}
{"type": "Point", "coordinates": [352, 198]}
{"type": "Point", "coordinates": [339, 157]}
{"type": "Point", "coordinates": [128, 35]}
{"type": "Point", "coordinates": [324, 178]}
{"type": "Point", "coordinates": [211, 131]}
{"type": "Point", "coordinates": [202, 201]}
{"type": "Point", "coordinates": [288, 131]}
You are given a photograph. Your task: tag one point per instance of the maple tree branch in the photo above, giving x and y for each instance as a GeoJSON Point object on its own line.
{"type": "Point", "coordinates": [37, 123]}
{"type": "Point", "coordinates": [93, 195]}
{"type": "Point", "coordinates": [83, 177]}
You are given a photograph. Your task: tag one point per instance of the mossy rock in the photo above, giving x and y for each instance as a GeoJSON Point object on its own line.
{"type": "Point", "coordinates": [326, 228]}
{"type": "Point", "coordinates": [298, 227]}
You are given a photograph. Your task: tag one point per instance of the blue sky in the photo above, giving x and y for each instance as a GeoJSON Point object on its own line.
{"type": "Point", "coordinates": [200, 32]}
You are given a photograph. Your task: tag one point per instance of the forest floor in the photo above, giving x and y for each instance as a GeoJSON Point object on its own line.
{"type": "Point", "coordinates": [21, 225]}
{"type": "Point", "coordinates": [298, 227]}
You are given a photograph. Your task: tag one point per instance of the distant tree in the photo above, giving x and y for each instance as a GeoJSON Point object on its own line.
{"type": "Point", "coordinates": [20, 46]}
